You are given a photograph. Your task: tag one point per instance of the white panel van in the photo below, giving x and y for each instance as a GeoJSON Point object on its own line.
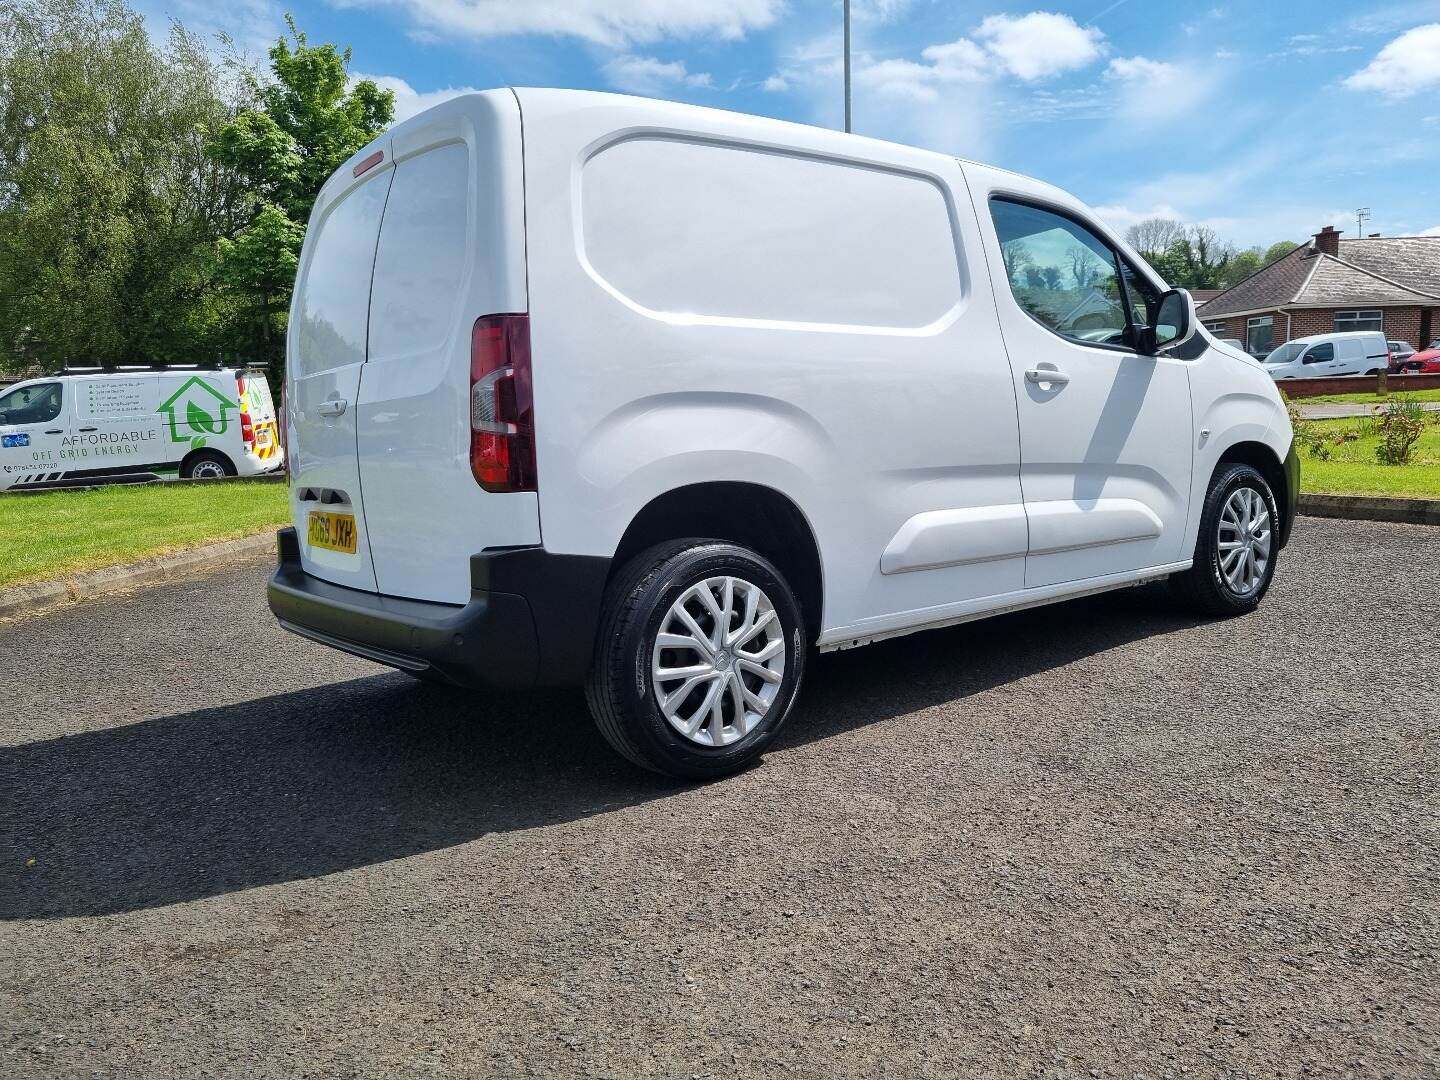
{"type": "Point", "coordinates": [134, 424]}
{"type": "Point", "coordinates": [603, 391]}
{"type": "Point", "coordinates": [1353, 352]}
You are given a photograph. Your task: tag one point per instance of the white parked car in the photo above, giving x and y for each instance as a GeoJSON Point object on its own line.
{"type": "Point", "coordinates": [660, 397]}
{"type": "Point", "coordinates": [1356, 352]}
{"type": "Point", "coordinates": [135, 424]}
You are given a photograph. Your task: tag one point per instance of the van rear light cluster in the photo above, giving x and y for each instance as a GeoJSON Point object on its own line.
{"type": "Point", "coordinates": [247, 426]}
{"type": "Point", "coordinates": [502, 404]}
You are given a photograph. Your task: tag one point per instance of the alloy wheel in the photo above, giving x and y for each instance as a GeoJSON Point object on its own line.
{"type": "Point", "coordinates": [718, 660]}
{"type": "Point", "coordinates": [1244, 540]}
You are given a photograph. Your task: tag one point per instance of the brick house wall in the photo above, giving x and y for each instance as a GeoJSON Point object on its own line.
{"type": "Point", "coordinates": [1401, 324]}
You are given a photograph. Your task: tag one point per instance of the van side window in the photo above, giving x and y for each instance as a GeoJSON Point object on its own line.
{"type": "Point", "coordinates": [32, 404]}
{"type": "Point", "coordinates": [333, 298]}
{"type": "Point", "coordinates": [1066, 278]}
{"type": "Point", "coordinates": [1320, 353]}
{"type": "Point", "coordinates": [420, 262]}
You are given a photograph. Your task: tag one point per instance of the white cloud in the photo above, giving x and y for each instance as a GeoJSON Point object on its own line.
{"type": "Point", "coordinates": [776, 84]}
{"type": "Point", "coordinates": [957, 62]}
{"type": "Point", "coordinates": [647, 75]}
{"type": "Point", "coordinates": [1040, 44]}
{"type": "Point", "coordinates": [1434, 230]}
{"type": "Point", "coordinates": [605, 22]}
{"type": "Point", "coordinates": [1139, 69]}
{"type": "Point", "coordinates": [1405, 66]}
{"type": "Point", "coordinates": [1156, 90]}
{"type": "Point", "coordinates": [882, 11]}
{"type": "Point", "coordinates": [408, 100]}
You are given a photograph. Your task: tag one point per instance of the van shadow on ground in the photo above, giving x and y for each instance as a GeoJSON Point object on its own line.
{"type": "Point", "coordinates": [305, 784]}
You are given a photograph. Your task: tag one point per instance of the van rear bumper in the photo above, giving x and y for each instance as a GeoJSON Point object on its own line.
{"type": "Point", "coordinates": [530, 620]}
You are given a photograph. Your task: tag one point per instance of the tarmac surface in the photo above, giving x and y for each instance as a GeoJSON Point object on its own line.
{"type": "Point", "coordinates": [1096, 839]}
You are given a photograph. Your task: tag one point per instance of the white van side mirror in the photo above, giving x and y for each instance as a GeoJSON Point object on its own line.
{"type": "Point", "coordinates": [1174, 320]}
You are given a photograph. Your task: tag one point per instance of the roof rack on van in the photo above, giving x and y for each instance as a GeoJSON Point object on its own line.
{"type": "Point", "coordinates": [207, 365]}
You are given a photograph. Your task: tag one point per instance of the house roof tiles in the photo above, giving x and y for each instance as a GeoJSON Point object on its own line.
{"type": "Point", "coordinates": [1377, 271]}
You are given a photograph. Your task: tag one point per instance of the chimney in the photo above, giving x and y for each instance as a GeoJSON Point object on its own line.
{"type": "Point", "coordinates": [1327, 241]}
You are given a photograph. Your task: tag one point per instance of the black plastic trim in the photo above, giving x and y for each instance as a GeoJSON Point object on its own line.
{"type": "Point", "coordinates": [530, 620]}
{"type": "Point", "coordinates": [1292, 492]}
{"type": "Point", "coordinates": [564, 592]}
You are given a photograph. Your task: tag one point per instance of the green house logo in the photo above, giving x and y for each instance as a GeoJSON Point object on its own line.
{"type": "Point", "coordinates": [196, 411]}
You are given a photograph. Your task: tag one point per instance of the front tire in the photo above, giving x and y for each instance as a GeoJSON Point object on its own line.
{"type": "Point", "coordinates": [698, 659]}
{"type": "Point", "coordinates": [1236, 549]}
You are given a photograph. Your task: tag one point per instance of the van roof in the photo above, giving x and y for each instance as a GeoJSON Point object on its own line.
{"type": "Point", "coordinates": [665, 114]}
{"type": "Point", "coordinates": [1337, 334]}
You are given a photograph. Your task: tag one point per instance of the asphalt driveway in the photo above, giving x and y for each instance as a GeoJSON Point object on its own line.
{"type": "Point", "coordinates": [1098, 839]}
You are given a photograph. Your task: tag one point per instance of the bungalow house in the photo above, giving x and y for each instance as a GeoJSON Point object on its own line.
{"type": "Point", "coordinates": [1387, 283]}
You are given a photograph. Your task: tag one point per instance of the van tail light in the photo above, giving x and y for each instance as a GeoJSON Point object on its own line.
{"type": "Point", "coordinates": [502, 404]}
{"type": "Point", "coordinates": [247, 427]}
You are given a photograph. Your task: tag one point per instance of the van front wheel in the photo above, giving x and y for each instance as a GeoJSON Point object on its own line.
{"type": "Point", "coordinates": [1237, 546]}
{"type": "Point", "coordinates": [698, 658]}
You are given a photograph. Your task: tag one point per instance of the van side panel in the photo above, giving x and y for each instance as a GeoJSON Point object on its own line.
{"type": "Point", "coordinates": [451, 249]}
{"type": "Point", "coordinates": [717, 297]}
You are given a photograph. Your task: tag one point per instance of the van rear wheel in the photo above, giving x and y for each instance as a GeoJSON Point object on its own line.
{"type": "Point", "coordinates": [698, 658]}
{"type": "Point", "coordinates": [206, 465]}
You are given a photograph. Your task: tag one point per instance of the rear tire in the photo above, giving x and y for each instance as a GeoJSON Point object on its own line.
{"type": "Point", "coordinates": [741, 655]}
{"type": "Point", "coordinates": [207, 465]}
{"type": "Point", "coordinates": [1236, 550]}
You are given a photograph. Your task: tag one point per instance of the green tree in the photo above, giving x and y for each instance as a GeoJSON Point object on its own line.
{"type": "Point", "coordinates": [109, 200]}
{"type": "Point", "coordinates": [1279, 250]}
{"type": "Point", "coordinates": [1242, 264]}
{"type": "Point", "coordinates": [304, 122]}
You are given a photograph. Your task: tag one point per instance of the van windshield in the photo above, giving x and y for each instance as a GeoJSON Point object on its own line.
{"type": "Point", "coordinates": [1285, 353]}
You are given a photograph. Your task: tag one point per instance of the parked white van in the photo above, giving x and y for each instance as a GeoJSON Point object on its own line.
{"type": "Point", "coordinates": [136, 424]}
{"type": "Point", "coordinates": [658, 397]}
{"type": "Point", "coordinates": [1355, 352]}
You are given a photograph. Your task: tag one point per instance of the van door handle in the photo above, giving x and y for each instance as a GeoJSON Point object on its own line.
{"type": "Point", "coordinates": [57, 431]}
{"type": "Point", "coordinates": [1047, 375]}
{"type": "Point", "coordinates": [333, 407]}
{"type": "Point", "coordinates": [82, 429]}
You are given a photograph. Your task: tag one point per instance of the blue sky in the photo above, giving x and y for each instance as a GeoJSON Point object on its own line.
{"type": "Point", "coordinates": [1264, 119]}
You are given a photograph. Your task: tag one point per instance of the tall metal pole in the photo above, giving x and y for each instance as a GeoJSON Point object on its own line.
{"type": "Point", "coordinates": [847, 65]}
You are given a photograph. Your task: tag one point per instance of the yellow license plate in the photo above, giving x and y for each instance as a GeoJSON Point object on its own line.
{"type": "Point", "coordinates": [333, 531]}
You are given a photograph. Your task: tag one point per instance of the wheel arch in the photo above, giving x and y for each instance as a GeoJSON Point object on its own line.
{"type": "Point", "coordinates": [208, 451]}
{"type": "Point", "coordinates": [773, 525]}
{"type": "Point", "coordinates": [1263, 459]}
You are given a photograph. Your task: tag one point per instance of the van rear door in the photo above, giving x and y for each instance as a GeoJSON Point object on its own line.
{"type": "Point", "coordinates": [325, 353]}
{"type": "Point", "coordinates": [451, 250]}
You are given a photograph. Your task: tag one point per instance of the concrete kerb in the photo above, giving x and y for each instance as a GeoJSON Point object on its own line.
{"type": "Point", "coordinates": [1372, 508]}
{"type": "Point", "coordinates": [43, 596]}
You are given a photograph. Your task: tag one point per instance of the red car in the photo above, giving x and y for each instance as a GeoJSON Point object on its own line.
{"type": "Point", "coordinates": [1426, 361]}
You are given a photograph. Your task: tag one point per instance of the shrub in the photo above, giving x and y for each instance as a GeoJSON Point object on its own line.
{"type": "Point", "coordinates": [1400, 426]}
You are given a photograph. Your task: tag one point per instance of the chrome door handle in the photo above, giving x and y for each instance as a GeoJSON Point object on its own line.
{"type": "Point", "coordinates": [1047, 375]}
{"type": "Point", "coordinates": [334, 407]}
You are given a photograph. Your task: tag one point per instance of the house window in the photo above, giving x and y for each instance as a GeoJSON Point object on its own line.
{"type": "Point", "coordinates": [1215, 326]}
{"type": "Point", "coordinates": [1259, 335]}
{"type": "Point", "coordinates": [1359, 320]}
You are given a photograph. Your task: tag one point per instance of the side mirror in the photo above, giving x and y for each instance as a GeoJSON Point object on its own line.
{"type": "Point", "coordinates": [1174, 320]}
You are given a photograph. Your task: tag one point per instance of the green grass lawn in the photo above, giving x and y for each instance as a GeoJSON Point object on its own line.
{"type": "Point", "coordinates": [62, 532]}
{"type": "Point", "coordinates": [1353, 470]}
{"type": "Point", "coordinates": [1368, 399]}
